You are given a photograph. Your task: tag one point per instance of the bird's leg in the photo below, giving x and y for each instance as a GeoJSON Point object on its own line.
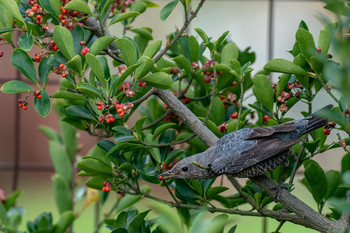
{"type": "Point", "coordinates": [280, 186]}
{"type": "Point", "coordinates": [200, 166]}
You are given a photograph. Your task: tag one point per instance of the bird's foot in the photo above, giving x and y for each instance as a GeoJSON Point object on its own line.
{"type": "Point", "coordinates": [278, 192]}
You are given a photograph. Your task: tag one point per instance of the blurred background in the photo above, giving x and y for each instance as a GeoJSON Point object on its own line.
{"type": "Point", "coordinates": [267, 26]}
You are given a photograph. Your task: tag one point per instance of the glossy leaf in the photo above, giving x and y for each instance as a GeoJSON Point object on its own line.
{"type": "Point", "coordinates": [282, 83]}
{"type": "Point", "coordinates": [78, 5]}
{"type": "Point", "coordinates": [16, 86]}
{"type": "Point", "coordinates": [152, 49]}
{"type": "Point", "coordinates": [324, 39]}
{"type": "Point", "coordinates": [94, 167]}
{"type": "Point", "coordinates": [136, 223]}
{"type": "Point", "coordinates": [263, 91]}
{"type": "Point", "coordinates": [117, 84]}
{"type": "Point", "coordinates": [159, 80]}
{"type": "Point", "coordinates": [43, 105]}
{"type": "Point", "coordinates": [306, 43]}
{"type": "Point", "coordinates": [44, 70]}
{"type": "Point", "coordinates": [212, 126]}
{"type": "Point", "coordinates": [61, 160]}
{"type": "Point", "coordinates": [184, 63]}
{"type": "Point", "coordinates": [316, 178]}
{"type": "Point", "coordinates": [160, 129]}
{"type": "Point", "coordinates": [75, 64]}
{"type": "Point", "coordinates": [89, 90]}
{"type": "Point", "coordinates": [80, 111]}
{"type": "Point", "coordinates": [146, 66]}
{"type": "Point", "coordinates": [143, 33]}
{"type": "Point", "coordinates": [123, 16]}
{"type": "Point", "coordinates": [126, 201]}
{"type": "Point", "coordinates": [215, 191]}
{"type": "Point", "coordinates": [284, 66]}
{"type": "Point", "coordinates": [68, 95]}
{"type": "Point", "coordinates": [221, 39]}
{"type": "Point", "coordinates": [333, 181]}
{"type": "Point", "coordinates": [167, 9]}
{"type": "Point", "coordinates": [26, 41]}
{"type": "Point", "coordinates": [193, 47]}
{"type": "Point", "coordinates": [55, 6]}
{"type": "Point", "coordinates": [202, 34]}
{"type": "Point", "coordinates": [229, 51]}
{"type": "Point", "coordinates": [66, 219]}
{"type": "Point", "coordinates": [100, 44]}
{"type": "Point", "coordinates": [64, 41]}
{"type": "Point", "coordinates": [97, 68]}
{"type": "Point", "coordinates": [11, 7]}
{"type": "Point", "coordinates": [62, 194]}
{"type": "Point", "coordinates": [139, 124]}
{"type": "Point", "coordinates": [78, 34]}
{"type": "Point", "coordinates": [154, 150]}
{"type": "Point", "coordinates": [128, 51]}
{"type": "Point", "coordinates": [21, 60]}
{"type": "Point", "coordinates": [5, 30]}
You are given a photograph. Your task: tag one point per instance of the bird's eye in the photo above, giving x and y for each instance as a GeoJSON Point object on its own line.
{"type": "Point", "coordinates": [184, 169]}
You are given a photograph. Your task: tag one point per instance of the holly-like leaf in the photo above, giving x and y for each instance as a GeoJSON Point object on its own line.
{"type": "Point", "coordinates": [167, 9]}
{"type": "Point", "coordinates": [78, 5]}
{"type": "Point", "coordinates": [89, 90]}
{"type": "Point", "coordinates": [26, 41]}
{"type": "Point", "coordinates": [159, 80]}
{"type": "Point", "coordinates": [263, 91]}
{"type": "Point", "coordinates": [43, 105]}
{"type": "Point", "coordinates": [21, 60]}
{"type": "Point", "coordinates": [284, 66]}
{"type": "Point", "coordinates": [16, 86]}
{"type": "Point", "coordinates": [64, 41]}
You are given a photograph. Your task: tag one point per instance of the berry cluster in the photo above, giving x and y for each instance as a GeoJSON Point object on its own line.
{"type": "Point", "coordinates": [23, 103]}
{"type": "Point", "coordinates": [52, 45]}
{"type": "Point", "coordinates": [195, 66]}
{"type": "Point", "coordinates": [209, 75]}
{"type": "Point", "coordinates": [106, 186]}
{"type": "Point", "coordinates": [38, 94]}
{"type": "Point", "coordinates": [67, 17]}
{"type": "Point", "coordinates": [84, 51]}
{"type": "Point", "coordinates": [121, 69]}
{"type": "Point", "coordinates": [120, 108]}
{"type": "Point", "coordinates": [109, 118]}
{"type": "Point", "coordinates": [121, 5]}
{"type": "Point", "coordinates": [61, 70]}
{"type": "Point", "coordinates": [234, 115]}
{"type": "Point", "coordinates": [41, 55]}
{"type": "Point", "coordinates": [37, 14]}
{"type": "Point", "coordinates": [328, 128]}
{"type": "Point", "coordinates": [222, 127]}
{"type": "Point", "coordinates": [142, 83]}
{"type": "Point", "coordinates": [126, 88]}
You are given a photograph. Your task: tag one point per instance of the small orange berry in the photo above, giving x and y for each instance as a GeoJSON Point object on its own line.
{"type": "Point", "coordinates": [61, 66]}
{"type": "Point", "coordinates": [39, 96]}
{"type": "Point", "coordinates": [108, 121]}
{"type": "Point", "coordinates": [63, 75]}
{"type": "Point", "coordinates": [119, 110]}
{"type": "Point", "coordinates": [99, 107]}
{"type": "Point", "coordinates": [112, 119]}
{"type": "Point", "coordinates": [121, 114]}
{"type": "Point", "coordinates": [60, 16]}
{"type": "Point", "coordinates": [34, 8]}
{"type": "Point", "coordinates": [101, 120]}
{"type": "Point", "coordinates": [37, 92]}
{"type": "Point", "coordinates": [107, 189]}
{"type": "Point", "coordinates": [63, 21]}
{"type": "Point", "coordinates": [24, 107]}
{"type": "Point", "coordinates": [38, 17]}
{"type": "Point", "coordinates": [55, 48]}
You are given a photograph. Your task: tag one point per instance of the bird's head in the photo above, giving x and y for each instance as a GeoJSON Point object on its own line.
{"type": "Point", "coordinates": [187, 168]}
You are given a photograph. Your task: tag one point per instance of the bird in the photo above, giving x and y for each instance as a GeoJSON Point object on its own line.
{"type": "Point", "coordinates": [248, 152]}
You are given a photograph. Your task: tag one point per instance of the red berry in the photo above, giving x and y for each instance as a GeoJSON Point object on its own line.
{"type": "Point", "coordinates": [53, 42]}
{"type": "Point", "coordinates": [24, 107]}
{"type": "Point", "coordinates": [21, 105]}
{"type": "Point", "coordinates": [108, 121]}
{"type": "Point", "coordinates": [63, 75]}
{"type": "Point", "coordinates": [61, 8]}
{"type": "Point", "coordinates": [112, 119]}
{"type": "Point", "coordinates": [99, 103]}
{"type": "Point", "coordinates": [38, 17]}
{"type": "Point", "coordinates": [107, 189]}
{"type": "Point", "coordinates": [234, 84]}
{"type": "Point", "coordinates": [55, 48]}
{"type": "Point", "coordinates": [61, 66]}
{"type": "Point", "coordinates": [266, 117]}
{"type": "Point", "coordinates": [160, 178]}
{"type": "Point", "coordinates": [82, 42]}
{"type": "Point", "coordinates": [1, 53]}
{"type": "Point", "coordinates": [104, 189]}
{"type": "Point", "coordinates": [105, 183]}
{"type": "Point", "coordinates": [101, 120]}
{"type": "Point", "coordinates": [318, 50]}
{"type": "Point", "coordinates": [37, 58]}
{"type": "Point", "coordinates": [37, 92]}
{"type": "Point", "coordinates": [121, 114]}
{"type": "Point", "coordinates": [34, 8]}
{"type": "Point", "coordinates": [60, 16]}
{"type": "Point", "coordinates": [166, 106]}
{"type": "Point", "coordinates": [63, 21]}
{"type": "Point", "coordinates": [64, 12]}
{"type": "Point", "coordinates": [234, 115]}
{"type": "Point", "coordinates": [39, 96]}
{"type": "Point", "coordinates": [99, 107]}
{"type": "Point", "coordinates": [326, 131]}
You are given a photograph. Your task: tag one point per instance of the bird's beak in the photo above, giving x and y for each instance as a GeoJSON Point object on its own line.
{"type": "Point", "coordinates": [166, 175]}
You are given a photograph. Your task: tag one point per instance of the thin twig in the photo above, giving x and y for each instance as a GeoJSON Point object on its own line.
{"type": "Point", "coordinates": [115, 57]}
{"type": "Point", "coordinates": [162, 117]}
{"type": "Point", "coordinates": [179, 33]}
{"type": "Point", "coordinates": [169, 144]}
{"type": "Point", "coordinates": [279, 226]}
{"type": "Point", "coordinates": [144, 97]}
{"type": "Point", "coordinates": [296, 164]}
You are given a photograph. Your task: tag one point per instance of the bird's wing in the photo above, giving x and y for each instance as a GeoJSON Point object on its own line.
{"type": "Point", "coordinates": [260, 132]}
{"type": "Point", "coordinates": [241, 154]}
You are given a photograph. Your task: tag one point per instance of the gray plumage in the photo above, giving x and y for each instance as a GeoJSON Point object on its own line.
{"type": "Point", "coordinates": [247, 152]}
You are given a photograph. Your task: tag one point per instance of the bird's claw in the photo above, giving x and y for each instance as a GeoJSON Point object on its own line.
{"type": "Point", "coordinates": [278, 192]}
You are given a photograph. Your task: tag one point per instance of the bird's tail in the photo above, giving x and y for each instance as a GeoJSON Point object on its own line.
{"type": "Point", "coordinates": [316, 121]}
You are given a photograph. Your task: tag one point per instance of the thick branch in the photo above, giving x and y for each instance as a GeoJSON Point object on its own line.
{"type": "Point", "coordinates": [313, 219]}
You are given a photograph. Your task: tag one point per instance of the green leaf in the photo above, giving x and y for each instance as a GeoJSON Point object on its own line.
{"type": "Point", "coordinates": [43, 105]}
{"type": "Point", "coordinates": [215, 191]}
{"type": "Point", "coordinates": [282, 83]}
{"type": "Point", "coordinates": [100, 44]}
{"type": "Point", "coordinates": [229, 51]}
{"type": "Point", "coordinates": [44, 70]}
{"type": "Point", "coordinates": [193, 47]}
{"type": "Point", "coordinates": [117, 84]}
{"type": "Point", "coordinates": [202, 34]}
{"type": "Point", "coordinates": [97, 68]}
{"type": "Point", "coordinates": [155, 153]}
{"type": "Point", "coordinates": [159, 80]}
{"type": "Point", "coordinates": [167, 9]}
{"type": "Point", "coordinates": [66, 219]}
{"type": "Point", "coordinates": [26, 41]}
{"type": "Point", "coordinates": [68, 95]}
{"type": "Point", "coordinates": [80, 111]}
{"type": "Point", "coordinates": [152, 49]}
{"type": "Point", "coordinates": [139, 124]}
{"type": "Point", "coordinates": [333, 181]}
{"type": "Point", "coordinates": [184, 63]}
{"type": "Point", "coordinates": [5, 30]}
{"type": "Point", "coordinates": [78, 34]}
{"type": "Point", "coordinates": [61, 160]}
{"type": "Point", "coordinates": [126, 201]}
{"type": "Point", "coordinates": [324, 39]}
{"type": "Point", "coordinates": [11, 199]}
{"type": "Point", "coordinates": [236, 65]}
{"type": "Point", "coordinates": [146, 66]}
{"type": "Point", "coordinates": [212, 126]}
{"type": "Point", "coordinates": [94, 167]}
{"type": "Point", "coordinates": [316, 178]}
{"type": "Point", "coordinates": [64, 41]}
{"type": "Point", "coordinates": [89, 90]}
{"type": "Point", "coordinates": [136, 223]}
{"type": "Point", "coordinates": [143, 33]}
{"type": "Point", "coordinates": [75, 64]}
{"type": "Point", "coordinates": [78, 5]}
{"type": "Point", "coordinates": [263, 91]}
{"type": "Point", "coordinates": [96, 182]}
{"type": "Point", "coordinates": [50, 133]}
{"type": "Point", "coordinates": [11, 7]}
{"type": "Point", "coordinates": [306, 43]}
{"type": "Point", "coordinates": [16, 86]}
{"type": "Point", "coordinates": [128, 51]}
{"type": "Point", "coordinates": [345, 163]}
{"type": "Point", "coordinates": [221, 39]}
{"type": "Point", "coordinates": [123, 16]}
{"type": "Point", "coordinates": [55, 6]}
{"type": "Point", "coordinates": [160, 129]}
{"type": "Point", "coordinates": [62, 194]}
{"type": "Point", "coordinates": [21, 60]}
{"type": "Point", "coordinates": [284, 66]}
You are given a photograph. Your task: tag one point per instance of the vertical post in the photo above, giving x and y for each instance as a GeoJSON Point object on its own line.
{"type": "Point", "coordinates": [270, 35]}
{"type": "Point", "coordinates": [17, 127]}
